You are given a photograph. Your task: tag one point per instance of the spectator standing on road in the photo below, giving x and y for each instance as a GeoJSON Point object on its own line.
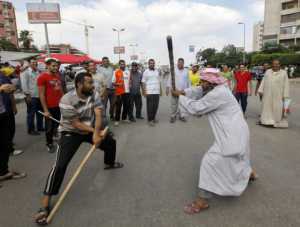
{"type": "Point", "coordinates": [151, 83]}
{"type": "Point", "coordinates": [107, 71]}
{"type": "Point", "coordinates": [135, 92]}
{"type": "Point", "coordinates": [243, 86]}
{"type": "Point", "coordinates": [31, 92]}
{"type": "Point", "coordinates": [99, 81]}
{"type": "Point", "coordinates": [11, 109]}
{"type": "Point", "coordinates": [194, 75]}
{"type": "Point", "coordinates": [182, 82]}
{"type": "Point", "coordinates": [120, 81]}
{"type": "Point", "coordinates": [6, 90]}
{"type": "Point", "coordinates": [275, 91]}
{"type": "Point", "coordinates": [260, 77]}
{"type": "Point", "coordinates": [50, 93]}
{"type": "Point", "coordinates": [228, 75]}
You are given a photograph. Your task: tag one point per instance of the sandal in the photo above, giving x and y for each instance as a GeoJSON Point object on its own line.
{"type": "Point", "coordinates": [41, 216]}
{"type": "Point", "coordinates": [253, 176]}
{"type": "Point", "coordinates": [116, 165]}
{"type": "Point", "coordinates": [194, 208]}
{"type": "Point", "coordinates": [12, 176]}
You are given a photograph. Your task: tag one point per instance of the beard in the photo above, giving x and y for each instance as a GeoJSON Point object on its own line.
{"type": "Point", "coordinates": [87, 93]}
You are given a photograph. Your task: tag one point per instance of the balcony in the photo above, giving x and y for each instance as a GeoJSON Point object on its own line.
{"type": "Point", "coordinates": [285, 1]}
{"type": "Point", "coordinates": [289, 36]}
{"type": "Point", "coordinates": [290, 11]}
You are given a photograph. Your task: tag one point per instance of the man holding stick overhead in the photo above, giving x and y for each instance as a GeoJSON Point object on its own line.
{"type": "Point", "coordinates": [81, 121]}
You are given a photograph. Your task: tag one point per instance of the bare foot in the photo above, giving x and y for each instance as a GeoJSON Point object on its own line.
{"type": "Point", "coordinates": [196, 206]}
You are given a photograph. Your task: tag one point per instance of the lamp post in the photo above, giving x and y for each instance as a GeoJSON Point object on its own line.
{"type": "Point", "coordinates": [118, 32]}
{"type": "Point", "coordinates": [244, 52]}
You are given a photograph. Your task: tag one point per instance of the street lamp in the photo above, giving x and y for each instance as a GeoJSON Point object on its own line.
{"type": "Point", "coordinates": [244, 53]}
{"type": "Point", "coordinates": [118, 31]}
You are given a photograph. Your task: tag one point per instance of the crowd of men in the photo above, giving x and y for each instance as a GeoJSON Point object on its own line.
{"type": "Point", "coordinates": [118, 94]}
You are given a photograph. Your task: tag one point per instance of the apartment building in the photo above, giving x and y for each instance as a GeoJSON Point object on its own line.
{"type": "Point", "coordinates": [282, 22]}
{"type": "Point", "coordinates": [258, 33]}
{"type": "Point", "coordinates": [8, 25]}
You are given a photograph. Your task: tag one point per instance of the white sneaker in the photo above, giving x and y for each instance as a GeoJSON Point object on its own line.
{"type": "Point", "coordinates": [116, 123]}
{"type": "Point", "coordinates": [17, 152]}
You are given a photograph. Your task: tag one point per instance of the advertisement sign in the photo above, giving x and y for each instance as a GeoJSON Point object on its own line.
{"type": "Point", "coordinates": [191, 48]}
{"type": "Point", "coordinates": [134, 57]}
{"type": "Point", "coordinates": [39, 13]}
{"type": "Point", "coordinates": [119, 50]}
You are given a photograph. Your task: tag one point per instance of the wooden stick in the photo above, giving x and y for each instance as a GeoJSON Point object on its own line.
{"type": "Point", "coordinates": [171, 58]}
{"type": "Point", "coordinates": [74, 177]}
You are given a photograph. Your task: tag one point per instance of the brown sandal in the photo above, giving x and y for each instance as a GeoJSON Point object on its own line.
{"type": "Point", "coordinates": [195, 208]}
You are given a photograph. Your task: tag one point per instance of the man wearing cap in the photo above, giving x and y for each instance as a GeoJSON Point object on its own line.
{"type": "Point", "coordinates": [50, 92]}
{"type": "Point", "coordinates": [225, 169]}
{"type": "Point", "coordinates": [135, 85]}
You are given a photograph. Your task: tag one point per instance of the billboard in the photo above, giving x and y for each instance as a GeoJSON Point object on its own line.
{"type": "Point", "coordinates": [39, 13]}
{"type": "Point", "coordinates": [134, 57]}
{"type": "Point", "coordinates": [119, 50]}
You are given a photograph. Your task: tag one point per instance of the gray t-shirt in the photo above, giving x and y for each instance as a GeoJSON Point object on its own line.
{"type": "Point", "coordinates": [135, 83]}
{"type": "Point", "coordinates": [72, 107]}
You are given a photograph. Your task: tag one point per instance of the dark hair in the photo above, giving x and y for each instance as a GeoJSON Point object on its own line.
{"type": "Point", "coordinates": [151, 59]}
{"type": "Point", "coordinates": [105, 58]}
{"type": "Point", "coordinates": [79, 78]}
{"type": "Point", "coordinates": [181, 59]}
{"type": "Point", "coordinates": [48, 62]}
{"type": "Point", "coordinates": [122, 61]}
{"type": "Point", "coordinates": [134, 64]}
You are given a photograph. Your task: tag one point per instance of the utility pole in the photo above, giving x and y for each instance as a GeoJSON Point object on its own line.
{"type": "Point", "coordinates": [47, 37]}
{"type": "Point", "coordinates": [119, 44]}
{"type": "Point", "coordinates": [244, 52]}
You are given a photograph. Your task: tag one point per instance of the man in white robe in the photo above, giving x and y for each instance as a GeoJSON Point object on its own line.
{"type": "Point", "coordinates": [275, 91]}
{"type": "Point", "coordinates": [225, 168]}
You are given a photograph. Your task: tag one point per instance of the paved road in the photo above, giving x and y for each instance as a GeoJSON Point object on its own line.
{"type": "Point", "coordinates": [160, 176]}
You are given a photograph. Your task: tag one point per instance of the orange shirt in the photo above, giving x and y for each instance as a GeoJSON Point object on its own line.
{"type": "Point", "coordinates": [119, 79]}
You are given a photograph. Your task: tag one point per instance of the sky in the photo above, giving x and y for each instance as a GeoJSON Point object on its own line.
{"type": "Point", "coordinates": [203, 23]}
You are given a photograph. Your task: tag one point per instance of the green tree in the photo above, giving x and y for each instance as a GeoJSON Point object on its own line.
{"type": "Point", "coordinates": [7, 45]}
{"type": "Point", "coordinates": [25, 39]}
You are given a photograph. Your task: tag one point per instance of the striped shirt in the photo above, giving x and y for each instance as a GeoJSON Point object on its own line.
{"type": "Point", "coordinates": [72, 107]}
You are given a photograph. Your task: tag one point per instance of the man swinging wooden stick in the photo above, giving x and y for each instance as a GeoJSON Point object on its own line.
{"type": "Point", "coordinates": [81, 121]}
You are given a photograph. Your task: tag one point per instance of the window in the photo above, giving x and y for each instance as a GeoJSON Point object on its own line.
{"type": "Point", "coordinates": [290, 5]}
{"type": "Point", "coordinates": [290, 18]}
{"type": "Point", "coordinates": [1, 25]}
{"type": "Point", "coordinates": [288, 30]}
{"type": "Point", "coordinates": [12, 33]}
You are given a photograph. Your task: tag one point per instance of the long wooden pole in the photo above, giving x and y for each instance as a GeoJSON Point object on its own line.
{"type": "Point", "coordinates": [171, 58]}
{"type": "Point", "coordinates": [74, 177]}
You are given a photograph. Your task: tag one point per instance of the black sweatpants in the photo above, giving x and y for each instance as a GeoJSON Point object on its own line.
{"type": "Point", "coordinates": [67, 147]}
{"type": "Point", "coordinates": [122, 101]}
{"type": "Point", "coordinates": [152, 106]}
{"type": "Point", "coordinates": [12, 130]}
{"type": "Point", "coordinates": [135, 101]}
{"type": "Point", "coordinates": [50, 125]}
{"type": "Point", "coordinates": [243, 99]}
{"type": "Point", "coordinates": [5, 143]}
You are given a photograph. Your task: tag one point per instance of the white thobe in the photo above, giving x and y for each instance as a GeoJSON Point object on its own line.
{"type": "Point", "coordinates": [275, 89]}
{"type": "Point", "coordinates": [225, 168]}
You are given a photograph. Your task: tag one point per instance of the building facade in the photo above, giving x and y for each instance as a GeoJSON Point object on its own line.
{"type": "Point", "coordinates": [8, 25]}
{"type": "Point", "coordinates": [282, 22]}
{"type": "Point", "coordinates": [258, 33]}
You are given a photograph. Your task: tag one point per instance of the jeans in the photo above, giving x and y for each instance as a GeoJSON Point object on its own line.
{"type": "Point", "coordinates": [242, 97]}
{"type": "Point", "coordinates": [112, 101]}
{"type": "Point", "coordinates": [135, 100]}
{"type": "Point", "coordinates": [152, 106]}
{"type": "Point", "coordinates": [51, 126]}
{"type": "Point", "coordinates": [122, 101]}
{"type": "Point", "coordinates": [32, 111]}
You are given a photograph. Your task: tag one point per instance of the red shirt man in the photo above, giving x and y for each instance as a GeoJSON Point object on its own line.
{"type": "Point", "coordinates": [243, 86]}
{"type": "Point", "coordinates": [50, 93]}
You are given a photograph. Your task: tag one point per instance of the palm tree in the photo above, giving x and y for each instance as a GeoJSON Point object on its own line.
{"type": "Point", "coordinates": [26, 39]}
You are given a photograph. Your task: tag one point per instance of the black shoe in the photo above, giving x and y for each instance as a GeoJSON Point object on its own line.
{"type": "Point", "coordinates": [172, 120]}
{"type": "Point", "coordinates": [141, 118]}
{"type": "Point", "coordinates": [41, 130]}
{"type": "Point", "coordinates": [132, 120]}
{"type": "Point", "coordinates": [34, 133]}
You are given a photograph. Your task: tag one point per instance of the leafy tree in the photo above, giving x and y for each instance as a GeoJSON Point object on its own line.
{"type": "Point", "coordinates": [26, 39]}
{"type": "Point", "coordinates": [7, 45]}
